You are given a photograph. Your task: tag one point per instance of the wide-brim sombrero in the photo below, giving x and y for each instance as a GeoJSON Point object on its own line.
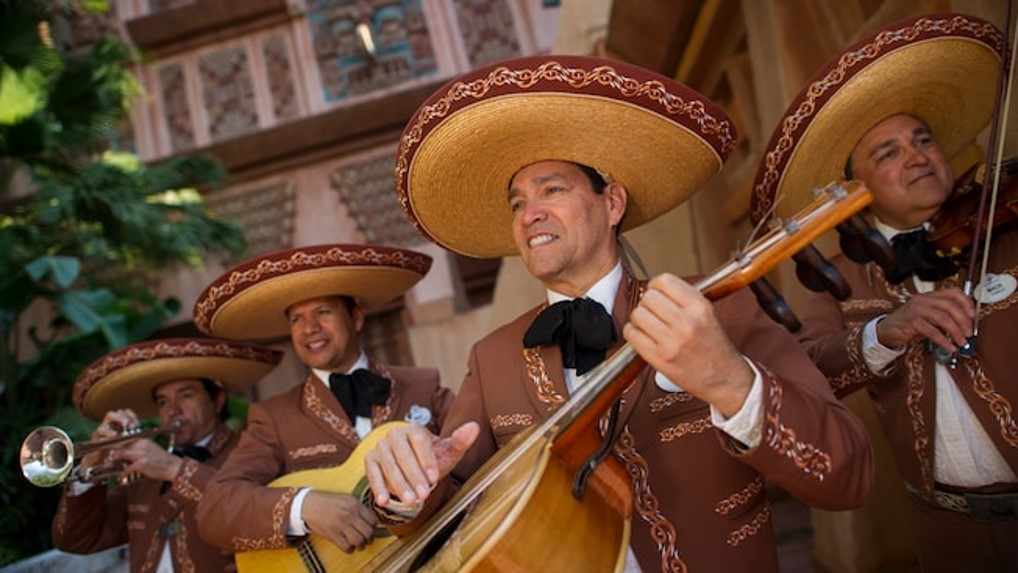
{"type": "Point", "coordinates": [459, 151]}
{"type": "Point", "coordinates": [125, 378]}
{"type": "Point", "coordinates": [941, 68]}
{"type": "Point", "coordinates": [249, 301]}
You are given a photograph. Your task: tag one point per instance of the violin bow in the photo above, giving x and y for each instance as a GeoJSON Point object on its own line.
{"type": "Point", "coordinates": [994, 154]}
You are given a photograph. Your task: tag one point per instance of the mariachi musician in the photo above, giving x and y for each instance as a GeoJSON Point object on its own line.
{"type": "Point", "coordinates": [317, 296]}
{"type": "Point", "coordinates": [893, 110]}
{"type": "Point", "coordinates": [183, 381]}
{"type": "Point", "coordinates": [550, 158]}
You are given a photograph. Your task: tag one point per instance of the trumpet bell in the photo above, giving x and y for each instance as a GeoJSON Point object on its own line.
{"type": "Point", "coordinates": [47, 456]}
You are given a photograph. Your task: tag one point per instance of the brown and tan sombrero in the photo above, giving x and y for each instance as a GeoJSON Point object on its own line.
{"type": "Point", "coordinates": [250, 300]}
{"type": "Point", "coordinates": [125, 378]}
{"type": "Point", "coordinates": [941, 68]}
{"type": "Point", "coordinates": [459, 151]}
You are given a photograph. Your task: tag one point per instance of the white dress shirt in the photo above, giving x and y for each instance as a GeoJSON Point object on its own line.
{"type": "Point", "coordinates": [362, 425]}
{"type": "Point", "coordinates": [964, 455]}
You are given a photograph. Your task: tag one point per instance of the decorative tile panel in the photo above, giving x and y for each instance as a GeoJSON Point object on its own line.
{"type": "Point", "coordinates": [176, 109]}
{"type": "Point", "coordinates": [368, 191]}
{"type": "Point", "coordinates": [402, 46]}
{"type": "Point", "coordinates": [228, 92]}
{"type": "Point", "coordinates": [265, 213]}
{"type": "Point", "coordinates": [279, 72]}
{"type": "Point", "coordinates": [487, 30]}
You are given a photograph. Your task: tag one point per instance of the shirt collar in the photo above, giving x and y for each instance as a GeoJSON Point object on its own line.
{"type": "Point", "coordinates": [890, 232]}
{"type": "Point", "coordinates": [323, 375]}
{"type": "Point", "coordinates": [603, 291]}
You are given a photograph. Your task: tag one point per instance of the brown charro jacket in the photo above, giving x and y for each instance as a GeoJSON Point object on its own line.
{"type": "Point", "coordinates": [141, 515]}
{"type": "Point", "coordinates": [904, 394]}
{"type": "Point", "coordinates": [700, 505]}
{"type": "Point", "coordinates": [304, 428]}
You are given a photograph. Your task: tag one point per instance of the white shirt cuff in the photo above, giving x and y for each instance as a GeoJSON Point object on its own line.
{"type": "Point", "coordinates": [876, 355]}
{"type": "Point", "coordinates": [297, 527]}
{"type": "Point", "coordinates": [746, 425]}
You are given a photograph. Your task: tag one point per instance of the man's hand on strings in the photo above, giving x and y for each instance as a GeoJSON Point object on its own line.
{"type": "Point", "coordinates": [410, 461]}
{"type": "Point", "coordinates": [340, 518]}
{"type": "Point", "coordinates": [675, 330]}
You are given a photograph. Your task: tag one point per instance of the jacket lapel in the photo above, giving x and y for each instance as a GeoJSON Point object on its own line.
{"type": "Point", "coordinates": [324, 409]}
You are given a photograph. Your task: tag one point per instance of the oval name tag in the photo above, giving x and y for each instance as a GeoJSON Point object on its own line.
{"type": "Point", "coordinates": [998, 288]}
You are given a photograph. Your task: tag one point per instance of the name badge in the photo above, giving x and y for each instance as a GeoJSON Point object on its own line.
{"type": "Point", "coordinates": [995, 288]}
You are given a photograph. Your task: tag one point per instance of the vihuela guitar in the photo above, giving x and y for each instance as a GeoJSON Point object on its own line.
{"type": "Point", "coordinates": [316, 554]}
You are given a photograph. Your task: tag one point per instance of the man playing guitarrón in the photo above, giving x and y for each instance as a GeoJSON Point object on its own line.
{"type": "Point", "coordinates": [550, 158]}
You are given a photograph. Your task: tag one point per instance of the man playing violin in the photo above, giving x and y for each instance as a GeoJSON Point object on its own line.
{"type": "Point", "coordinates": [183, 381]}
{"type": "Point", "coordinates": [728, 399]}
{"type": "Point", "coordinates": [946, 401]}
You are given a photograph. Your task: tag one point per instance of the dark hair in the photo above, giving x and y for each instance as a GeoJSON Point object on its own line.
{"type": "Point", "coordinates": [848, 168]}
{"type": "Point", "coordinates": [598, 183]}
{"type": "Point", "coordinates": [596, 179]}
{"type": "Point", "coordinates": [348, 301]}
{"type": "Point", "coordinates": [214, 388]}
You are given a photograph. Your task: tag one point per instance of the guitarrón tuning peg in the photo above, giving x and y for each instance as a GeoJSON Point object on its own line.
{"type": "Point", "coordinates": [774, 305]}
{"type": "Point", "coordinates": [862, 243]}
{"type": "Point", "coordinates": [818, 274]}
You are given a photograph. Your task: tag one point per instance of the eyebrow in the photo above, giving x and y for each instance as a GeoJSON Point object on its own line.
{"type": "Point", "coordinates": [919, 130]}
{"type": "Point", "coordinates": [514, 191]}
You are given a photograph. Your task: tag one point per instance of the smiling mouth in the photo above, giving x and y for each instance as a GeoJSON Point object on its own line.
{"type": "Point", "coordinates": [542, 239]}
{"type": "Point", "coordinates": [316, 345]}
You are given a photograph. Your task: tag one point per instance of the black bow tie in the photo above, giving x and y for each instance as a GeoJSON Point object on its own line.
{"type": "Point", "coordinates": [192, 451]}
{"type": "Point", "coordinates": [914, 255]}
{"type": "Point", "coordinates": [359, 391]}
{"type": "Point", "coordinates": [582, 329]}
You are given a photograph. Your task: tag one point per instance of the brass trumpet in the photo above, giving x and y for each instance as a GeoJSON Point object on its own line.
{"type": "Point", "coordinates": [48, 454]}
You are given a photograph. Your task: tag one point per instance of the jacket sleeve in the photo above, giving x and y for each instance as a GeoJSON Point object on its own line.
{"type": "Point", "coordinates": [238, 512]}
{"type": "Point", "coordinates": [92, 521]}
{"type": "Point", "coordinates": [835, 345]}
{"type": "Point", "coordinates": [812, 446]}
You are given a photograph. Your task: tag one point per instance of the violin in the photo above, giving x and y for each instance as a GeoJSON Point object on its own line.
{"type": "Point", "coordinates": [956, 225]}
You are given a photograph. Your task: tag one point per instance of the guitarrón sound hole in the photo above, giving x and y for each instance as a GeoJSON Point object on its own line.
{"type": "Point", "coordinates": [436, 542]}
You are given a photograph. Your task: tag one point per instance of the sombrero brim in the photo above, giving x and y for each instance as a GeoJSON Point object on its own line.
{"type": "Point", "coordinates": [459, 151]}
{"type": "Point", "coordinates": [941, 68]}
{"type": "Point", "coordinates": [250, 301]}
{"type": "Point", "coordinates": [126, 377]}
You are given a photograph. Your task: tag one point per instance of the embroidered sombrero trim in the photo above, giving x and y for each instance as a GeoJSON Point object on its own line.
{"type": "Point", "coordinates": [850, 63]}
{"type": "Point", "coordinates": [554, 77]}
{"type": "Point", "coordinates": [301, 260]}
{"type": "Point", "coordinates": [166, 349]}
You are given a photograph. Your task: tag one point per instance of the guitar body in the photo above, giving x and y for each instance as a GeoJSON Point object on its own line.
{"type": "Point", "coordinates": [316, 554]}
{"type": "Point", "coordinates": [528, 520]}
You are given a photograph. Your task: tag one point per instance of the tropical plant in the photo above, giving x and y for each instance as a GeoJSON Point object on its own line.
{"type": "Point", "coordinates": [83, 229]}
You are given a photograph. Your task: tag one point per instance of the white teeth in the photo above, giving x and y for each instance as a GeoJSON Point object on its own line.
{"type": "Point", "coordinates": [540, 240]}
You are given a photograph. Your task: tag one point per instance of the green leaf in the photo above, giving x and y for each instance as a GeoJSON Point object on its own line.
{"type": "Point", "coordinates": [63, 270]}
{"type": "Point", "coordinates": [21, 95]}
{"type": "Point", "coordinates": [86, 309]}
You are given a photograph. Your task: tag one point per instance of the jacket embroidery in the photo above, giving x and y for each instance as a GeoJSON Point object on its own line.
{"type": "Point", "coordinates": [811, 460]}
{"type": "Point", "coordinates": [646, 503]}
{"type": "Point", "coordinates": [739, 498]}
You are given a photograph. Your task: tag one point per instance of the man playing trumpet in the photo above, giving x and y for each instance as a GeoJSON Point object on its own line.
{"type": "Point", "coordinates": [184, 381]}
